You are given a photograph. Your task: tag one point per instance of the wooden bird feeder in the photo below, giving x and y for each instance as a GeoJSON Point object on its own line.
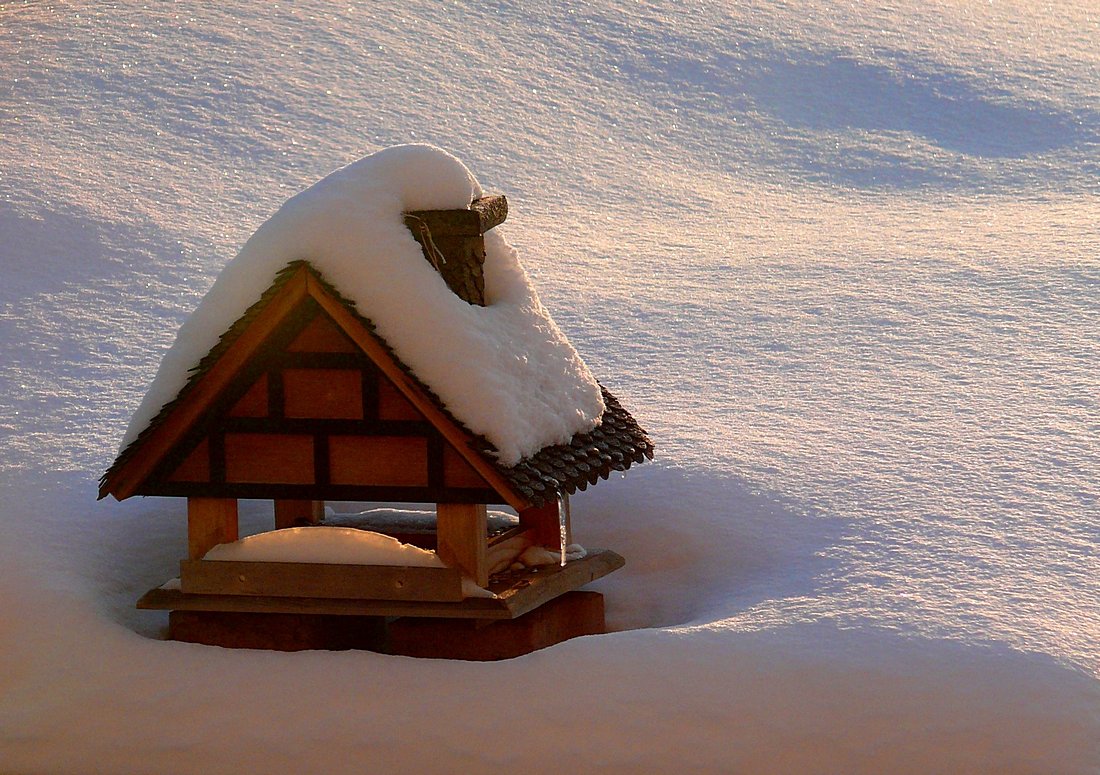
{"type": "Point", "coordinates": [302, 402]}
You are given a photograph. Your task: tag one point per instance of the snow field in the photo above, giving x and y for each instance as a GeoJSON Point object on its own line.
{"type": "Point", "coordinates": [841, 261]}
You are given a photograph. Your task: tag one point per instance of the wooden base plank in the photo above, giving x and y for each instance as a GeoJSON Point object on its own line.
{"type": "Point", "coordinates": [302, 579]}
{"type": "Point", "coordinates": [568, 616]}
{"type": "Point", "coordinates": [278, 632]}
{"type": "Point", "coordinates": [516, 595]}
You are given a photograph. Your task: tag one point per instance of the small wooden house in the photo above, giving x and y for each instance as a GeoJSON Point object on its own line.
{"type": "Point", "coordinates": [302, 402]}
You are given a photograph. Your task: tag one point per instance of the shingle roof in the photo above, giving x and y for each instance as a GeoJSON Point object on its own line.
{"type": "Point", "coordinates": [613, 445]}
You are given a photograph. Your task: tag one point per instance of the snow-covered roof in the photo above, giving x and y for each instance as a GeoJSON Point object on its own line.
{"type": "Point", "coordinates": [502, 376]}
{"type": "Point", "coordinates": [504, 370]}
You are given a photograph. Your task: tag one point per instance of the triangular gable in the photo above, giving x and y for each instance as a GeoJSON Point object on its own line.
{"type": "Point", "coordinates": [347, 402]}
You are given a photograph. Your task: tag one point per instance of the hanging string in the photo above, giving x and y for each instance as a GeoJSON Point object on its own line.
{"type": "Point", "coordinates": [435, 255]}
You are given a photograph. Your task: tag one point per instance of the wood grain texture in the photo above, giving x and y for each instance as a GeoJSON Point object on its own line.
{"type": "Point", "coordinates": [320, 580]}
{"type": "Point", "coordinates": [321, 335]}
{"type": "Point", "coordinates": [458, 473]}
{"type": "Point", "coordinates": [391, 461]}
{"type": "Point", "coordinates": [210, 521]}
{"type": "Point", "coordinates": [196, 466]}
{"type": "Point", "coordinates": [544, 523]}
{"type": "Point", "coordinates": [329, 394]}
{"type": "Point", "coordinates": [461, 531]}
{"type": "Point", "coordinates": [268, 458]}
{"type": "Point", "coordinates": [392, 404]}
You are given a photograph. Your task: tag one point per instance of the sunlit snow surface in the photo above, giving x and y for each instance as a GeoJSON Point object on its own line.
{"type": "Point", "coordinates": [843, 263]}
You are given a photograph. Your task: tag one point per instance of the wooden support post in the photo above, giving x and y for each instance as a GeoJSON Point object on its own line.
{"type": "Point", "coordinates": [210, 521]}
{"type": "Point", "coordinates": [545, 523]}
{"type": "Point", "coordinates": [294, 513]}
{"type": "Point", "coordinates": [462, 538]}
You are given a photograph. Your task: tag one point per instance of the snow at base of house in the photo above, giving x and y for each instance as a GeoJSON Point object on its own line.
{"type": "Point", "coordinates": [505, 370]}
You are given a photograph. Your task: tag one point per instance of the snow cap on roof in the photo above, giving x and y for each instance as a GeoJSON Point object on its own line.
{"type": "Point", "coordinates": [505, 370]}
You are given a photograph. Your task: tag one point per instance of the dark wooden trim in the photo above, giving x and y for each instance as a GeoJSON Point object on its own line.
{"type": "Point", "coordinates": [276, 394]}
{"type": "Point", "coordinates": [326, 426]}
{"type": "Point", "coordinates": [435, 460]}
{"type": "Point", "coordinates": [208, 423]}
{"type": "Point", "coordinates": [455, 434]}
{"type": "Point", "coordinates": [328, 492]}
{"type": "Point", "coordinates": [170, 431]}
{"type": "Point", "coordinates": [306, 360]}
{"type": "Point", "coordinates": [370, 392]}
{"type": "Point", "coordinates": [322, 471]}
{"type": "Point", "coordinates": [217, 457]}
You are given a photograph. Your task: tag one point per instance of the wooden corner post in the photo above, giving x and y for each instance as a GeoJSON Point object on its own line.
{"type": "Point", "coordinates": [462, 538]}
{"type": "Point", "coordinates": [210, 521]}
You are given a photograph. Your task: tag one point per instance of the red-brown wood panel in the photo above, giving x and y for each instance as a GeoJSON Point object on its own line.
{"type": "Point", "coordinates": [458, 473]}
{"type": "Point", "coordinates": [254, 402]}
{"type": "Point", "coordinates": [394, 406]}
{"type": "Point", "coordinates": [195, 467]}
{"type": "Point", "coordinates": [321, 335]}
{"type": "Point", "coordinates": [396, 461]}
{"type": "Point", "coordinates": [268, 458]}
{"type": "Point", "coordinates": [334, 394]}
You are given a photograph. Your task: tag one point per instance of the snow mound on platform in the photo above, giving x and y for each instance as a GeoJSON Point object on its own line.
{"type": "Point", "coordinates": [320, 544]}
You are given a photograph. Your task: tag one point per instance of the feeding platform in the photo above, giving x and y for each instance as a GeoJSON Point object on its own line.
{"type": "Point", "coordinates": [365, 590]}
{"type": "Point", "coordinates": [302, 400]}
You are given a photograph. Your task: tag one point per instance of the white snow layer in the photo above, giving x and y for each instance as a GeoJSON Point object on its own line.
{"type": "Point", "coordinates": [335, 546]}
{"type": "Point", "coordinates": [505, 370]}
{"type": "Point", "coordinates": [325, 544]}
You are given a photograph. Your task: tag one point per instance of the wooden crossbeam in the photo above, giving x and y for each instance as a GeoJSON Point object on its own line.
{"type": "Point", "coordinates": [319, 580]}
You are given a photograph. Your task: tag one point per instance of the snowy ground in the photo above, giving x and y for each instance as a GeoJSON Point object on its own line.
{"type": "Point", "coordinates": [843, 263]}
